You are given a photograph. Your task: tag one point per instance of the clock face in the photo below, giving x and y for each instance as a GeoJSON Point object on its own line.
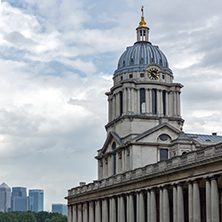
{"type": "Point", "coordinates": [153, 73]}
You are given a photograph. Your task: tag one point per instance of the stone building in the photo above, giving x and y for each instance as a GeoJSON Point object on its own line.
{"type": "Point", "coordinates": [149, 170]}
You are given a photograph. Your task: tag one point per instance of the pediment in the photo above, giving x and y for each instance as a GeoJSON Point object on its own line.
{"type": "Point", "coordinates": [112, 141]}
{"type": "Point", "coordinates": [163, 133]}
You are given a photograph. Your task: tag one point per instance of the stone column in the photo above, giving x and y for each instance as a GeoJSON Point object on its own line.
{"type": "Point", "coordinates": [166, 205]}
{"type": "Point", "coordinates": [150, 100]}
{"type": "Point", "coordinates": [180, 203]}
{"type": "Point", "coordinates": [85, 212]}
{"type": "Point", "coordinates": [196, 201]}
{"type": "Point", "coordinates": [110, 108]}
{"type": "Point", "coordinates": [138, 206]}
{"type": "Point", "coordinates": [147, 100]}
{"type": "Point", "coordinates": [161, 203]}
{"type": "Point", "coordinates": [123, 160]}
{"type": "Point", "coordinates": [124, 101]}
{"type": "Point", "coordinates": [117, 104]}
{"type": "Point", "coordinates": [159, 102]}
{"type": "Point", "coordinates": [121, 209]}
{"type": "Point", "coordinates": [91, 211]}
{"type": "Point", "coordinates": [153, 206]}
{"type": "Point", "coordinates": [112, 209]}
{"type": "Point", "coordinates": [105, 167]}
{"type": "Point", "coordinates": [208, 200]}
{"type": "Point", "coordinates": [70, 214]}
{"type": "Point", "coordinates": [97, 211]}
{"type": "Point", "coordinates": [142, 207]}
{"type": "Point", "coordinates": [110, 165]}
{"type": "Point", "coordinates": [167, 103]}
{"type": "Point", "coordinates": [148, 206]}
{"type": "Point", "coordinates": [79, 212]}
{"type": "Point", "coordinates": [215, 215]}
{"type": "Point", "coordinates": [74, 213]}
{"type": "Point", "coordinates": [190, 200]}
{"type": "Point", "coordinates": [100, 169]}
{"type": "Point", "coordinates": [114, 106]}
{"type": "Point", "coordinates": [171, 104]}
{"type": "Point", "coordinates": [129, 100]}
{"type": "Point", "coordinates": [174, 104]}
{"type": "Point", "coordinates": [138, 101]}
{"type": "Point", "coordinates": [174, 203]}
{"type": "Point", "coordinates": [105, 214]}
{"type": "Point", "coordinates": [178, 103]}
{"type": "Point", "coordinates": [130, 208]}
{"type": "Point", "coordinates": [133, 100]}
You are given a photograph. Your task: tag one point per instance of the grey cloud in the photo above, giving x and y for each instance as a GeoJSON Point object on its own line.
{"type": "Point", "coordinates": [16, 38]}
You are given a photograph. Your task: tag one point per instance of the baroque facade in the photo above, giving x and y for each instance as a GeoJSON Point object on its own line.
{"type": "Point", "coordinates": [149, 170]}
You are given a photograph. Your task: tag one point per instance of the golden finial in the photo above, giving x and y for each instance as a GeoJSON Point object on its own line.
{"type": "Point", "coordinates": [142, 22]}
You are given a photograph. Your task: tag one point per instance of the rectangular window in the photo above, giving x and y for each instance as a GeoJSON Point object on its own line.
{"type": "Point", "coordinates": [142, 101]}
{"type": "Point", "coordinates": [163, 154]}
{"type": "Point", "coordinates": [141, 75]}
{"type": "Point", "coordinates": [130, 76]}
{"type": "Point", "coordinates": [121, 102]}
{"type": "Point", "coordinates": [164, 102]}
{"type": "Point", "coordinates": [154, 102]}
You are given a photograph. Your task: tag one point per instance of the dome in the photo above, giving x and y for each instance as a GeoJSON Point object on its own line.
{"type": "Point", "coordinates": [138, 56]}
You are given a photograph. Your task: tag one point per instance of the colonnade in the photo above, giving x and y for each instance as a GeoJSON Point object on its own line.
{"type": "Point", "coordinates": [127, 102]}
{"type": "Point", "coordinates": [176, 202]}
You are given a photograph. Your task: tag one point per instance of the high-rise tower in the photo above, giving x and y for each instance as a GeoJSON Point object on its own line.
{"type": "Point", "coordinates": [36, 200]}
{"type": "Point", "coordinates": [144, 109]}
{"type": "Point", "coordinates": [20, 201]}
{"type": "Point", "coordinates": [5, 197]}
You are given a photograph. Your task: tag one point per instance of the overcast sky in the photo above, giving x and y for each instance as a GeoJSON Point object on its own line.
{"type": "Point", "coordinates": [56, 62]}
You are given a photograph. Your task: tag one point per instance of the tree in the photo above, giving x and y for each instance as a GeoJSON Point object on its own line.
{"type": "Point", "coordinates": [26, 217]}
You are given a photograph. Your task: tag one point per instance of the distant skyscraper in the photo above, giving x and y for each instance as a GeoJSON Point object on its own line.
{"type": "Point", "coordinates": [59, 208]}
{"type": "Point", "coordinates": [5, 197]}
{"type": "Point", "coordinates": [36, 200]}
{"type": "Point", "coordinates": [20, 201]}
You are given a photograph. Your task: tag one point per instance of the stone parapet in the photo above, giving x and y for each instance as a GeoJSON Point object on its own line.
{"type": "Point", "coordinates": [195, 158]}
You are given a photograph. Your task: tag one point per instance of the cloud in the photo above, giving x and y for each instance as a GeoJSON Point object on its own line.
{"type": "Point", "coordinates": [56, 62]}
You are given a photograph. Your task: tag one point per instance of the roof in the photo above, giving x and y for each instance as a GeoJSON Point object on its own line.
{"type": "Point", "coordinates": [138, 56]}
{"type": "Point", "coordinates": [206, 138]}
{"type": "Point", "coordinates": [4, 185]}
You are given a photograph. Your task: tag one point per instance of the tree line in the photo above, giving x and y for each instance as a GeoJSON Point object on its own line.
{"type": "Point", "coordinates": [32, 217]}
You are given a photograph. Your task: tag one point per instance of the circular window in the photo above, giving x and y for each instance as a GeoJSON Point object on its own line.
{"type": "Point", "coordinates": [164, 137]}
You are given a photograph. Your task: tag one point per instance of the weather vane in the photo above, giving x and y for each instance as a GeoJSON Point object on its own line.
{"type": "Point", "coordinates": [142, 9]}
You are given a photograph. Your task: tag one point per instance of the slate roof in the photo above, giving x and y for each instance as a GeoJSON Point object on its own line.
{"type": "Point", "coordinates": [206, 138]}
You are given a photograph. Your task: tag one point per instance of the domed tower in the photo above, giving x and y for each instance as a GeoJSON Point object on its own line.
{"type": "Point", "coordinates": [144, 109]}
